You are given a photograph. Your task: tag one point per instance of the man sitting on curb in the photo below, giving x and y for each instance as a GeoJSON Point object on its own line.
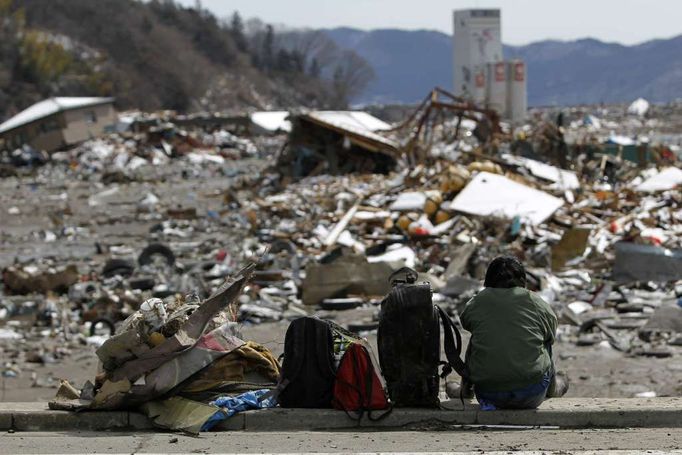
{"type": "Point", "coordinates": [510, 351]}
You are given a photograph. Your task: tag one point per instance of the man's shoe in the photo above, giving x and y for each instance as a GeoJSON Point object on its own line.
{"type": "Point", "coordinates": [558, 386]}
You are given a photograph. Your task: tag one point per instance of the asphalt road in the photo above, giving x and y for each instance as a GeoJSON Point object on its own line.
{"type": "Point", "coordinates": [447, 440]}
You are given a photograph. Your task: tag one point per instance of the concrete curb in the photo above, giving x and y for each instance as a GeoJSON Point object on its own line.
{"type": "Point", "coordinates": [37, 417]}
{"type": "Point", "coordinates": [563, 413]}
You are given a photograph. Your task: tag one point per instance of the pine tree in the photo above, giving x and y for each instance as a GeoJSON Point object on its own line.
{"type": "Point", "coordinates": [283, 62]}
{"type": "Point", "coordinates": [237, 31]}
{"type": "Point", "coordinates": [268, 44]}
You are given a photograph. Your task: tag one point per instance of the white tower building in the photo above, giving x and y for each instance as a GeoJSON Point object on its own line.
{"type": "Point", "coordinates": [479, 72]}
{"type": "Point", "coordinates": [477, 41]}
{"type": "Point", "coordinates": [496, 87]}
{"type": "Point", "coordinates": [517, 97]}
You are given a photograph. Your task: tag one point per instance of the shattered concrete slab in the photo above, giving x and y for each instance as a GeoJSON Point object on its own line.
{"type": "Point", "coordinates": [348, 275]}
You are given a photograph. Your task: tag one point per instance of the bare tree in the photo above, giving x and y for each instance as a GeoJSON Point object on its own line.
{"type": "Point", "coordinates": [237, 31]}
{"type": "Point", "coordinates": [351, 76]}
{"type": "Point", "coordinates": [311, 45]}
{"type": "Point", "coordinates": [253, 26]}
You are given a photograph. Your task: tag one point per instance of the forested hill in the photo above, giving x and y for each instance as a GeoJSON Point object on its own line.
{"type": "Point", "coordinates": [160, 55]}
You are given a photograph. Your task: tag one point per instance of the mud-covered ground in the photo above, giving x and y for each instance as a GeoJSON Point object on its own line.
{"type": "Point", "coordinates": [63, 217]}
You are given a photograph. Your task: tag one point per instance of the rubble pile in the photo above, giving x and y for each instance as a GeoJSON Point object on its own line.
{"type": "Point", "coordinates": [445, 221]}
{"type": "Point", "coordinates": [141, 143]}
{"type": "Point", "coordinates": [154, 219]}
{"type": "Point", "coordinates": [189, 348]}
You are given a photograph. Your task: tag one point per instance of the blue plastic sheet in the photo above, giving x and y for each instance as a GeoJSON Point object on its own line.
{"type": "Point", "coordinates": [229, 406]}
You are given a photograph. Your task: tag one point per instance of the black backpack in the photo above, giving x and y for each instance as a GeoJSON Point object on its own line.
{"type": "Point", "coordinates": [409, 342]}
{"type": "Point", "coordinates": [308, 370]}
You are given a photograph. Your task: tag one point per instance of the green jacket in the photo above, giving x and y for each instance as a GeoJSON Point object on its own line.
{"type": "Point", "coordinates": [510, 329]}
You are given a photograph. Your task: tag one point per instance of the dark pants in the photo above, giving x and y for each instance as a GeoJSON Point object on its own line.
{"type": "Point", "coordinates": [529, 397]}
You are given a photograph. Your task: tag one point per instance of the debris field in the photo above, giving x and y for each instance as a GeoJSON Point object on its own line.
{"type": "Point", "coordinates": [130, 232]}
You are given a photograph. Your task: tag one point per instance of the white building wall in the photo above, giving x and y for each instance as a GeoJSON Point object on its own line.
{"type": "Point", "coordinates": [517, 99]}
{"type": "Point", "coordinates": [88, 122]}
{"type": "Point", "coordinates": [477, 40]}
{"type": "Point", "coordinates": [479, 85]}
{"type": "Point", "coordinates": [497, 87]}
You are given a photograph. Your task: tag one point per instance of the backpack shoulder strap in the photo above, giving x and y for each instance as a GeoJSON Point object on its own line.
{"type": "Point", "coordinates": [373, 372]}
{"type": "Point", "coordinates": [453, 344]}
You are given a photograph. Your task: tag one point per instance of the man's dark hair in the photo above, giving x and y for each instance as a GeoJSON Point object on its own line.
{"type": "Point", "coordinates": [505, 272]}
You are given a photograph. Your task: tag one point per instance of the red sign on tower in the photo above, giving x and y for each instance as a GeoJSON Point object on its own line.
{"type": "Point", "coordinates": [499, 72]}
{"type": "Point", "coordinates": [519, 71]}
{"type": "Point", "coordinates": [480, 79]}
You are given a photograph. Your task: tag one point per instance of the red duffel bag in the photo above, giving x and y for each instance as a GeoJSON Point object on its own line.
{"type": "Point", "coordinates": [359, 387]}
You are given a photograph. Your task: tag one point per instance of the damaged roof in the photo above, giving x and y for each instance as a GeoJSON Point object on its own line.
{"type": "Point", "coordinates": [49, 107]}
{"type": "Point", "coordinates": [360, 127]}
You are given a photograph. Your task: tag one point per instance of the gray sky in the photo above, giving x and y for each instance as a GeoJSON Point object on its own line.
{"type": "Point", "coordinates": [523, 21]}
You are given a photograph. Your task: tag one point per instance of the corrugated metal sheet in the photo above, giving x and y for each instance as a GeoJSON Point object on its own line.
{"type": "Point", "coordinates": [48, 107]}
{"type": "Point", "coordinates": [272, 120]}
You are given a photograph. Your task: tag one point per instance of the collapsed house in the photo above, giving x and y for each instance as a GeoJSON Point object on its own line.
{"type": "Point", "coordinates": [337, 142]}
{"type": "Point", "coordinates": [59, 122]}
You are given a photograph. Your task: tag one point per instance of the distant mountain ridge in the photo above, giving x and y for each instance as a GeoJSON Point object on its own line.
{"type": "Point", "coordinates": [409, 63]}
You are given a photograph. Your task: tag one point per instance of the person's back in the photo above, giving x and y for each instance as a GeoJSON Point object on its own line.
{"type": "Point", "coordinates": [510, 328]}
{"type": "Point", "coordinates": [512, 331]}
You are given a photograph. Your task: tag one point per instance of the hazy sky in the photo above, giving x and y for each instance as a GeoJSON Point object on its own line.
{"type": "Point", "coordinates": [523, 21]}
